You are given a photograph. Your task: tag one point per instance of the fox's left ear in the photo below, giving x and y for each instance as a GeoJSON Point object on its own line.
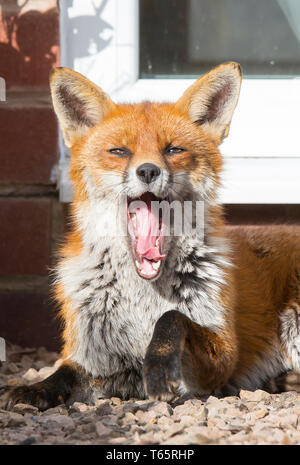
{"type": "Point", "coordinates": [211, 100]}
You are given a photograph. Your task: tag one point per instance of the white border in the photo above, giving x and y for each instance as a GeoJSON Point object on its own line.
{"type": "Point", "coordinates": [265, 125]}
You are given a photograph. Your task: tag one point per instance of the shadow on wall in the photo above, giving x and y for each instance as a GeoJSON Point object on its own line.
{"type": "Point", "coordinates": [86, 32]}
{"type": "Point", "coordinates": [29, 44]}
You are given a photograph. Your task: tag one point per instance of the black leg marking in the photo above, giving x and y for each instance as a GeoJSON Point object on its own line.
{"type": "Point", "coordinates": [162, 365]}
{"type": "Point", "coordinates": [186, 357]}
{"type": "Point", "coordinates": [54, 390]}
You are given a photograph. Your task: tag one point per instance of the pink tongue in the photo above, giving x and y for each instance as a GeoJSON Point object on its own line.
{"type": "Point", "coordinates": [147, 232]}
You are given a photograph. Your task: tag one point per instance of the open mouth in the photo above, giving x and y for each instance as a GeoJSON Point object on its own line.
{"type": "Point", "coordinates": [146, 228]}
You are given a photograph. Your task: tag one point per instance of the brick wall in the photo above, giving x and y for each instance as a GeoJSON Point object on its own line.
{"type": "Point", "coordinates": [31, 218]}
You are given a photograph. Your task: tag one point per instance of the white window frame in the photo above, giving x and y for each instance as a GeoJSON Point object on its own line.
{"type": "Point", "coordinates": [262, 151]}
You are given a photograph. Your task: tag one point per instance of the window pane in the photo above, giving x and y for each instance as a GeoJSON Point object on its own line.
{"type": "Point", "coordinates": [185, 38]}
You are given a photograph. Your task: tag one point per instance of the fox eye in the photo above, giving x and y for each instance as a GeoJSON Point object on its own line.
{"type": "Point", "coordinates": [120, 152]}
{"type": "Point", "coordinates": [170, 150]}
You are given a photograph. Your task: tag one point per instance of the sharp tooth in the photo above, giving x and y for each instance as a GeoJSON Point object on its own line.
{"type": "Point", "coordinates": [156, 265]}
{"type": "Point", "coordinates": [137, 264]}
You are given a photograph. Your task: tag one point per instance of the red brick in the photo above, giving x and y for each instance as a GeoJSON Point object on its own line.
{"type": "Point", "coordinates": [29, 144]}
{"type": "Point", "coordinates": [24, 236]}
{"type": "Point", "coordinates": [29, 46]}
{"type": "Point", "coordinates": [28, 319]}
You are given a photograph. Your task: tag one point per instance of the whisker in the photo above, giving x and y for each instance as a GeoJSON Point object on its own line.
{"type": "Point", "coordinates": [104, 174]}
{"type": "Point", "coordinates": [177, 193]}
{"type": "Point", "coordinates": [117, 184]}
{"type": "Point", "coordinates": [179, 183]}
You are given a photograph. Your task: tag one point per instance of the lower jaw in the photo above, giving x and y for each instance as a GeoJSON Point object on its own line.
{"type": "Point", "coordinates": [149, 276]}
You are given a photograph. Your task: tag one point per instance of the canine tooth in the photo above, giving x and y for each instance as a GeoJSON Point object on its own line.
{"type": "Point", "coordinates": [156, 265]}
{"type": "Point", "coordinates": [137, 264]}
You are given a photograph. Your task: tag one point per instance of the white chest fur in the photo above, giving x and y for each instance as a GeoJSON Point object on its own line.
{"type": "Point", "coordinates": [116, 310]}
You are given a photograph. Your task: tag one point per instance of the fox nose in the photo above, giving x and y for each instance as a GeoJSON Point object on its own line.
{"type": "Point", "coordinates": [148, 172]}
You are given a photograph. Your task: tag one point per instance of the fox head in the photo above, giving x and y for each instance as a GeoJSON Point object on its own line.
{"type": "Point", "coordinates": [144, 152]}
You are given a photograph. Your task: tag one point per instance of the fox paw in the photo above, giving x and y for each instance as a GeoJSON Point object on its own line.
{"type": "Point", "coordinates": [162, 376]}
{"type": "Point", "coordinates": [39, 395]}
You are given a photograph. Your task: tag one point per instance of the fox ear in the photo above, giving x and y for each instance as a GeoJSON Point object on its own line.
{"type": "Point", "coordinates": [78, 103]}
{"type": "Point", "coordinates": [211, 100]}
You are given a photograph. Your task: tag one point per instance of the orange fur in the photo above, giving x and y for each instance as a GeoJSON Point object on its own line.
{"type": "Point", "coordinates": [266, 259]}
{"type": "Point", "coordinates": [237, 311]}
{"type": "Point", "coordinates": [262, 283]}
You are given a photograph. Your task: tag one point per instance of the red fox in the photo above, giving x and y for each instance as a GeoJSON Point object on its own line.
{"type": "Point", "coordinates": [153, 315]}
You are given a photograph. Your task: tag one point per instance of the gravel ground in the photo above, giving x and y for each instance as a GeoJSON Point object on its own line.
{"type": "Point", "coordinates": [251, 418]}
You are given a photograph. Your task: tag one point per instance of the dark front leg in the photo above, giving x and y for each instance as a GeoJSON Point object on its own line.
{"type": "Point", "coordinates": [54, 390]}
{"type": "Point", "coordinates": [185, 357]}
